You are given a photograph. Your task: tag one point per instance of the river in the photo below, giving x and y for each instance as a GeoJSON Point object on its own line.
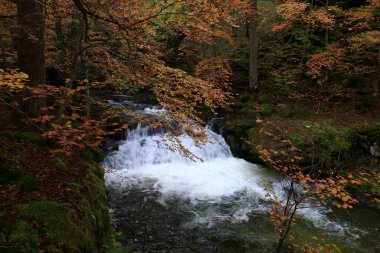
{"type": "Point", "coordinates": [165, 202]}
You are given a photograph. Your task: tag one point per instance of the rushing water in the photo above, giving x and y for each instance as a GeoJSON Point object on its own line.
{"type": "Point", "coordinates": [165, 202]}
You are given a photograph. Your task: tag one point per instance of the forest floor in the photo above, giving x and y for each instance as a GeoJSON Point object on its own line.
{"type": "Point", "coordinates": [41, 196]}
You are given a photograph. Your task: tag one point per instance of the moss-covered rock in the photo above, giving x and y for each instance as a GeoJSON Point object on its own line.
{"type": "Point", "coordinates": [238, 126]}
{"type": "Point", "coordinates": [57, 226]}
{"type": "Point", "coordinates": [94, 203]}
{"type": "Point", "coordinates": [323, 143]}
{"type": "Point", "coordinates": [95, 154]}
{"type": "Point", "coordinates": [61, 227]}
{"type": "Point", "coordinates": [33, 137]}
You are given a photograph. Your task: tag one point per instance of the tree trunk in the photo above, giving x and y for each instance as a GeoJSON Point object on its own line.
{"type": "Point", "coordinates": [30, 46]}
{"type": "Point", "coordinates": [29, 40]}
{"type": "Point", "coordinates": [253, 47]}
{"type": "Point", "coordinates": [377, 85]}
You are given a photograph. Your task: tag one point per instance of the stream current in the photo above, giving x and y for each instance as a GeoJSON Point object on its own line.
{"type": "Point", "coordinates": [165, 202]}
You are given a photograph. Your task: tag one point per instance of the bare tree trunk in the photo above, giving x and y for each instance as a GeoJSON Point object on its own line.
{"type": "Point", "coordinates": [30, 45]}
{"type": "Point", "coordinates": [253, 47]}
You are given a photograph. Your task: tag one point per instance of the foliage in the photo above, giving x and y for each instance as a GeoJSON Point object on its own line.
{"type": "Point", "coordinates": [24, 237]}
{"type": "Point", "coordinates": [299, 183]}
{"type": "Point", "coordinates": [128, 50]}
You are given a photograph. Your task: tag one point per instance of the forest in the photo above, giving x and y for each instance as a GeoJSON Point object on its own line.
{"type": "Point", "coordinates": [189, 126]}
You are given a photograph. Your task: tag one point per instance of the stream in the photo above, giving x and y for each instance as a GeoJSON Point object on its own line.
{"type": "Point", "coordinates": [164, 202]}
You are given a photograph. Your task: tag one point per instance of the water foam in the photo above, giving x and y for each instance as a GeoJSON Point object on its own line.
{"type": "Point", "coordinates": [220, 187]}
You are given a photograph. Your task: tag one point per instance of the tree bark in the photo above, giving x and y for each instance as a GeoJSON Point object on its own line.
{"type": "Point", "coordinates": [253, 47]}
{"type": "Point", "coordinates": [377, 85]}
{"type": "Point", "coordinates": [29, 40]}
{"type": "Point", "coordinates": [30, 47]}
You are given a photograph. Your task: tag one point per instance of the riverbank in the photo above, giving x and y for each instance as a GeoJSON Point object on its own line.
{"type": "Point", "coordinates": [50, 204]}
{"type": "Point", "coordinates": [338, 135]}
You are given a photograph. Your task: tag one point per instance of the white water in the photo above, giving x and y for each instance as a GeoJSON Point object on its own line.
{"type": "Point", "coordinates": [218, 188]}
{"type": "Point", "coordinates": [144, 160]}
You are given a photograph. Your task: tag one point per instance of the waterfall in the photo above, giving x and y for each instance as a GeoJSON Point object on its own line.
{"type": "Point", "coordinates": [216, 187]}
{"type": "Point", "coordinates": [144, 159]}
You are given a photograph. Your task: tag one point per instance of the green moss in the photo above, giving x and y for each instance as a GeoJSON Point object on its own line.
{"type": "Point", "coordinates": [94, 204]}
{"type": "Point", "coordinates": [59, 163]}
{"type": "Point", "coordinates": [33, 137]}
{"type": "Point", "coordinates": [57, 226]}
{"type": "Point", "coordinates": [8, 134]}
{"type": "Point", "coordinates": [266, 109]}
{"type": "Point", "coordinates": [61, 228]}
{"type": "Point", "coordinates": [95, 168]}
{"type": "Point", "coordinates": [112, 245]}
{"type": "Point", "coordinates": [326, 143]}
{"type": "Point", "coordinates": [238, 126]}
{"type": "Point", "coordinates": [93, 154]}
{"type": "Point", "coordinates": [24, 237]}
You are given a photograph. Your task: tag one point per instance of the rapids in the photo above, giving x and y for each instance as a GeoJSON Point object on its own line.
{"type": "Point", "coordinates": [216, 194]}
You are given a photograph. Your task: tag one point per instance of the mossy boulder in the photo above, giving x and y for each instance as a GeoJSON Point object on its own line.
{"type": "Point", "coordinates": [237, 127]}
{"type": "Point", "coordinates": [57, 226]}
{"type": "Point", "coordinates": [61, 227]}
{"type": "Point", "coordinates": [94, 203]}
{"type": "Point", "coordinates": [323, 142]}
{"type": "Point", "coordinates": [33, 137]}
{"type": "Point", "coordinates": [96, 169]}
